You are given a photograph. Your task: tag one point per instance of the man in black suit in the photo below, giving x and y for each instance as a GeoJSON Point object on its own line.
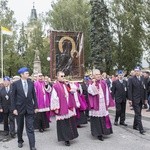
{"type": "Point", "coordinates": [24, 105]}
{"type": "Point", "coordinates": [5, 107]}
{"type": "Point", "coordinates": [137, 95]}
{"type": "Point", "coordinates": [119, 93]}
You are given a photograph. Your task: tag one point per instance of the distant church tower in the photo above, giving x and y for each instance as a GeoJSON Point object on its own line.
{"type": "Point", "coordinates": [32, 23]}
{"type": "Point", "coordinates": [31, 26]}
{"type": "Point", "coordinates": [33, 16]}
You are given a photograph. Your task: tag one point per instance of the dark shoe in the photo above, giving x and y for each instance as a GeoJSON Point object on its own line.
{"type": "Point", "coordinates": [33, 148]}
{"type": "Point", "coordinates": [67, 143]}
{"type": "Point", "coordinates": [20, 145]}
{"type": "Point", "coordinates": [142, 132]}
{"type": "Point", "coordinates": [123, 124]}
{"type": "Point", "coordinates": [116, 123]}
{"type": "Point", "coordinates": [78, 126]}
{"type": "Point", "coordinates": [148, 110]}
{"type": "Point", "coordinates": [101, 138]}
{"type": "Point", "coordinates": [41, 130]}
{"type": "Point", "coordinates": [136, 128]}
{"type": "Point", "coordinates": [6, 133]}
{"type": "Point", "coordinates": [12, 135]}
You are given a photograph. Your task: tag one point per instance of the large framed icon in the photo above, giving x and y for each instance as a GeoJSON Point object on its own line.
{"type": "Point", "coordinates": [67, 54]}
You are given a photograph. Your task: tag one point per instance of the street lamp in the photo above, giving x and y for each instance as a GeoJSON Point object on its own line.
{"type": "Point", "coordinates": [48, 58]}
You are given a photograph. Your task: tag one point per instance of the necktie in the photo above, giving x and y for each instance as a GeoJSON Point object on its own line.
{"type": "Point", "coordinates": [25, 88]}
{"type": "Point", "coordinates": [7, 89]}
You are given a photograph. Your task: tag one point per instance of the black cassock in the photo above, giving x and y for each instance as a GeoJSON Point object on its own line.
{"type": "Point", "coordinates": [67, 129]}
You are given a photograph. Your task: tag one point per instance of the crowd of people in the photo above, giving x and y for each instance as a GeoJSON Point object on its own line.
{"type": "Point", "coordinates": [36, 100]}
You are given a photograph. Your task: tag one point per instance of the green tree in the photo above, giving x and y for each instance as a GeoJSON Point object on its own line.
{"type": "Point", "coordinates": [72, 16]}
{"type": "Point", "coordinates": [100, 36]}
{"type": "Point", "coordinates": [128, 32]}
{"type": "Point", "coordinates": [10, 54]}
{"type": "Point", "coordinates": [36, 39]}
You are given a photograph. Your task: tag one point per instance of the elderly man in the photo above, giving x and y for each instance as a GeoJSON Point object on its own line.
{"type": "Point", "coordinates": [137, 95]}
{"type": "Point", "coordinates": [63, 104]}
{"type": "Point", "coordinates": [24, 105]}
{"type": "Point", "coordinates": [99, 101]}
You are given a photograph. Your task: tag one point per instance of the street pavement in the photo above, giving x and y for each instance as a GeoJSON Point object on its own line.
{"type": "Point", "coordinates": [123, 138]}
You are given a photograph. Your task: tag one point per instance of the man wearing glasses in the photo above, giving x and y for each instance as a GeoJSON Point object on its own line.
{"type": "Point", "coordinates": [63, 104]}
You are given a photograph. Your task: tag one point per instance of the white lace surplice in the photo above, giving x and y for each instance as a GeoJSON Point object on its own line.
{"type": "Point", "coordinates": [74, 88]}
{"type": "Point", "coordinates": [92, 89]}
{"type": "Point", "coordinates": [55, 105]}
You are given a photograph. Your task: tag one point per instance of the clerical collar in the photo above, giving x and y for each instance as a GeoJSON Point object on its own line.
{"type": "Point", "coordinates": [61, 82]}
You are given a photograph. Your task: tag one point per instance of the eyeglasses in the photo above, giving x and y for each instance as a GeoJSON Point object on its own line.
{"type": "Point", "coordinates": [63, 76]}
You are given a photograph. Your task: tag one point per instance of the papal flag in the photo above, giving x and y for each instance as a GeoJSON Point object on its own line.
{"type": "Point", "coordinates": [6, 31]}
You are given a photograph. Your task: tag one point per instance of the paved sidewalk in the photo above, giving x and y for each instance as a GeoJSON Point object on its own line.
{"type": "Point", "coordinates": [145, 115]}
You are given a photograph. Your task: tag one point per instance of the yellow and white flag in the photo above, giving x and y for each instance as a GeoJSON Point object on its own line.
{"type": "Point", "coordinates": [6, 31]}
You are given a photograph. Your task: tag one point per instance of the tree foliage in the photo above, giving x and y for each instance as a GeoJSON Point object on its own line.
{"type": "Point", "coordinates": [128, 32]}
{"type": "Point", "coordinates": [9, 42]}
{"type": "Point", "coordinates": [100, 36]}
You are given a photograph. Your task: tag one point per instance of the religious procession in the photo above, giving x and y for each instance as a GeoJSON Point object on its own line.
{"type": "Point", "coordinates": [74, 76]}
{"type": "Point", "coordinates": [73, 103]}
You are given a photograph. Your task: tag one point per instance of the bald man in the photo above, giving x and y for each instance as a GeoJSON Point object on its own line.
{"type": "Point", "coordinates": [99, 101]}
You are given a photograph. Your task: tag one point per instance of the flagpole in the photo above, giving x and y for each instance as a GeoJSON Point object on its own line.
{"type": "Point", "coordinates": [2, 55]}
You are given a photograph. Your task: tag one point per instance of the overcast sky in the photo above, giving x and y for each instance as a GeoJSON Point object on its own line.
{"type": "Point", "coordinates": [22, 8]}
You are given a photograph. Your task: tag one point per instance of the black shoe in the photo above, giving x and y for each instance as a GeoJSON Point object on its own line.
{"type": "Point", "coordinates": [101, 138]}
{"type": "Point", "coordinates": [136, 128]}
{"type": "Point", "coordinates": [41, 130]}
{"type": "Point", "coordinates": [142, 132]}
{"type": "Point", "coordinates": [6, 133]}
{"type": "Point", "coordinates": [116, 123]}
{"type": "Point", "coordinates": [20, 145]}
{"type": "Point", "coordinates": [12, 135]}
{"type": "Point", "coordinates": [123, 124]}
{"type": "Point", "coordinates": [33, 148]}
{"type": "Point", "coordinates": [67, 143]}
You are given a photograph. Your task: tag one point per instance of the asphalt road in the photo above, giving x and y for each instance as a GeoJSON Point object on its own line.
{"type": "Point", "coordinates": [123, 138]}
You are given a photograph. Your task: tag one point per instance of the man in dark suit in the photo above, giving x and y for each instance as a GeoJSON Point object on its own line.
{"type": "Point", "coordinates": [5, 107]}
{"type": "Point", "coordinates": [137, 95]}
{"type": "Point", "coordinates": [24, 105]}
{"type": "Point", "coordinates": [119, 93]}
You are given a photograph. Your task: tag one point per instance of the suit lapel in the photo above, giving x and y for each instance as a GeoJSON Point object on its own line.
{"type": "Point", "coordinates": [4, 89]}
{"type": "Point", "coordinates": [21, 87]}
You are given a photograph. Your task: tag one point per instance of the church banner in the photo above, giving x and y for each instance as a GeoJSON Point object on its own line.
{"type": "Point", "coordinates": [67, 54]}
